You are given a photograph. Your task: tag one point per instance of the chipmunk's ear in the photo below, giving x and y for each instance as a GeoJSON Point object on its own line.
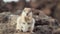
{"type": "Point", "coordinates": [27, 9]}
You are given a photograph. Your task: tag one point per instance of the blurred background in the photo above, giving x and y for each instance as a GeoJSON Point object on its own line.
{"type": "Point", "coordinates": [14, 5]}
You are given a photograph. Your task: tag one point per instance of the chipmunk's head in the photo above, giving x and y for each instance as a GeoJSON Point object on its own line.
{"type": "Point", "coordinates": [27, 10]}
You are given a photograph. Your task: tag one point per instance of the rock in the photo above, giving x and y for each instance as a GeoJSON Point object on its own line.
{"type": "Point", "coordinates": [45, 29]}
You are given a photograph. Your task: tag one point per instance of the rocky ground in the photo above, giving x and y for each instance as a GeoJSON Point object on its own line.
{"type": "Point", "coordinates": [43, 26]}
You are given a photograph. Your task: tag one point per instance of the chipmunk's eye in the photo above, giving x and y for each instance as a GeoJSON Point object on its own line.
{"type": "Point", "coordinates": [29, 23]}
{"type": "Point", "coordinates": [27, 13]}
